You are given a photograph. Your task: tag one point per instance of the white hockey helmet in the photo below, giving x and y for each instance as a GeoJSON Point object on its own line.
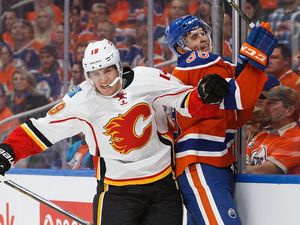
{"type": "Point", "coordinates": [101, 54]}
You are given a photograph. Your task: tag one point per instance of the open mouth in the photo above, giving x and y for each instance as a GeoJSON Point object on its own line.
{"type": "Point", "coordinates": [205, 47]}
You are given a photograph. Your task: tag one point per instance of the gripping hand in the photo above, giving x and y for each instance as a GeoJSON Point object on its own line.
{"type": "Point", "coordinates": [7, 158]}
{"type": "Point", "coordinates": [213, 88]}
{"type": "Point", "coordinates": [257, 48]}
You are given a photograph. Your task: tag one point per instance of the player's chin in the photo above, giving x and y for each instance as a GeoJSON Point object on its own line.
{"type": "Point", "coordinates": [106, 92]}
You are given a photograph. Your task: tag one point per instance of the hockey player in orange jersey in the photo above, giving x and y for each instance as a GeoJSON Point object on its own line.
{"type": "Point", "coordinates": [203, 147]}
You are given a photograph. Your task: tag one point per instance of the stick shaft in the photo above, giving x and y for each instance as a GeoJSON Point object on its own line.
{"type": "Point", "coordinates": [242, 13]}
{"type": "Point", "coordinates": [45, 201]}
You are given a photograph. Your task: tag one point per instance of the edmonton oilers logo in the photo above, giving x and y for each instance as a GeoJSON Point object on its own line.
{"type": "Point", "coordinates": [232, 213]}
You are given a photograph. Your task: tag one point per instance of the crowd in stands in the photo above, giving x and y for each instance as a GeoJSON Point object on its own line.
{"type": "Point", "coordinates": [32, 57]}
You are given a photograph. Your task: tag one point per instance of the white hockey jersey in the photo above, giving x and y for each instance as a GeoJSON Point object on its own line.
{"type": "Point", "coordinates": [127, 134]}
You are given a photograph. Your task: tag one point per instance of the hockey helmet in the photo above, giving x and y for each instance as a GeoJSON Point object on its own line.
{"type": "Point", "coordinates": [101, 54]}
{"type": "Point", "coordinates": [179, 28]}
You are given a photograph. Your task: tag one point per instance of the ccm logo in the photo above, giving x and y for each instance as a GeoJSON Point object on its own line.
{"type": "Point", "coordinates": [254, 53]}
{"type": "Point", "coordinates": [7, 156]}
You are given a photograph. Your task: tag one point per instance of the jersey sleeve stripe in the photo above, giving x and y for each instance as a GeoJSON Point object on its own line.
{"type": "Point", "coordinates": [203, 136]}
{"type": "Point", "coordinates": [204, 145]}
{"type": "Point", "coordinates": [33, 136]}
{"type": "Point", "coordinates": [38, 134]}
{"type": "Point", "coordinates": [200, 145]}
{"type": "Point", "coordinates": [202, 153]}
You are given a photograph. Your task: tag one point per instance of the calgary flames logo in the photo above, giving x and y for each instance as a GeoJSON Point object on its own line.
{"type": "Point", "coordinates": [130, 131]}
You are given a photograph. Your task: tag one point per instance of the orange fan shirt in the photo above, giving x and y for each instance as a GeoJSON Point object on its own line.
{"type": "Point", "coordinates": [283, 150]}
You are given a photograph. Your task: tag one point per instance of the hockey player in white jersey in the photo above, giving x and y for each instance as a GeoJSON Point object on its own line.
{"type": "Point", "coordinates": [122, 116]}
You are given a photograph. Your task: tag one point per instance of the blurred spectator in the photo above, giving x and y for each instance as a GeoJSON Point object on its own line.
{"type": "Point", "coordinates": [79, 51]}
{"type": "Point", "coordinates": [129, 50]}
{"type": "Point", "coordinates": [99, 13]}
{"type": "Point", "coordinates": [253, 11]}
{"type": "Point", "coordinates": [204, 11]}
{"type": "Point", "coordinates": [142, 59]}
{"type": "Point", "coordinates": [277, 150]}
{"type": "Point", "coordinates": [280, 67]}
{"type": "Point", "coordinates": [77, 74]}
{"type": "Point", "coordinates": [44, 25]}
{"type": "Point", "coordinates": [29, 35]}
{"type": "Point", "coordinates": [177, 9]}
{"type": "Point", "coordinates": [41, 4]}
{"type": "Point", "coordinates": [227, 32]}
{"type": "Point", "coordinates": [25, 95]}
{"type": "Point", "coordinates": [48, 79]}
{"type": "Point", "coordinates": [118, 11]}
{"type": "Point", "coordinates": [106, 30]}
{"type": "Point", "coordinates": [9, 18]}
{"type": "Point", "coordinates": [78, 156]}
{"type": "Point", "coordinates": [23, 47]}
{"type": "Point", "coordinates": [139, 10]}
{"type": "Point", "coordinates": [6, 67]}
{"type": "Point", "coordinates": [142, 35]}
{"type": "Point", "coordinates": [57, 39]}
{"type": "Point", "coordinates": [259, 121]}
{"type": "Point", "coordinates": [75, 20]}
{"type": "Point", "coordinates": [268, 6]}
{"type": "Point", "coordinates": [280, 20]}
{"type": "Point", "coordinates": [5, 112]}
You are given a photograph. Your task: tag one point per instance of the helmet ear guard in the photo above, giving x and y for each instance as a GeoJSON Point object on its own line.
{"type": "Point", "coordinates": [179, 28]}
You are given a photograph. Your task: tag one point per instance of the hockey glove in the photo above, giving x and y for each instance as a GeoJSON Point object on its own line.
{"type": "Point", "coordinates": [212, 89]}
{"type": "Point", "coordinates": [7, 158]}
{"type": "Point", "coordinates": [257, 49]}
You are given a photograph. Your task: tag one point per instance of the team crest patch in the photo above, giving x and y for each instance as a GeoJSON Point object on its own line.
{"type": "Point", "coordinates": [73, 91]}
{"type": "Point", "coordinates": [57, 108]}
{"type": "Point", "coordinates": [232, 213]}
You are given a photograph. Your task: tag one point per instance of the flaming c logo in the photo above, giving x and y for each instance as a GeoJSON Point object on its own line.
{"type": "Point", "coordinates": [130, 131]}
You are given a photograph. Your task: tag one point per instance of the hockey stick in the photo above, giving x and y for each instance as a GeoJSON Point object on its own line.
{"type": "Point", "coordinates": [45, 201]}
{"type": "Point", "coordinates": [242, 14]}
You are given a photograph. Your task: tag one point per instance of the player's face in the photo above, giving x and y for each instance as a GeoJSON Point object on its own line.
{"type": "Point", "coordinates": [199, 40]}
{"type": "Point", "coordinates": [102, 78]}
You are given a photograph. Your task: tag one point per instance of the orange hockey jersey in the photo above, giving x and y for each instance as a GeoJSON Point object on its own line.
{"type": "Point", "coordinates": [282, 150]}
{"type": "Point", "coordinates": [211, 140]}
